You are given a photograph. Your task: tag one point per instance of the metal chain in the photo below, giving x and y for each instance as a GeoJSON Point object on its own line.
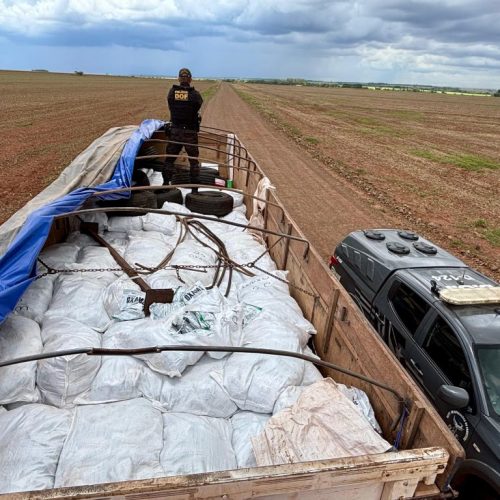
{"type": "Point", "coordinates": [177, 267]}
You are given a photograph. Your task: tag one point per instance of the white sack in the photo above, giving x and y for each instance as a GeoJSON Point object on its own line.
{"type": "Point", "coordinates": [19, 336]}
{"type": "Point", "coordinates": [175, 207]}
{"type": "Point", "coordinates": [243, 248]}
{"type": "Point", "coordinates": [246, 425]}
{"type": "Point", "coordinates": [147, 332]}
{"type": "Point", "coordinates": [189, 253]}
{"type": "Point", "coordinates": [155, 178]}
{"type": "Point", "coordinates": [117, 239]}
{"type": "Point", "coordinates": [362, 403]}
{"type": "Point", "coordinates": [98, 217]}
{"type": "Point", "coordinates": [165, 278]}
{"type": "Point", "coordinates": [166, 224]}
{"type": "Point", "coordinates": [81, 239]}
{"type": "Point", "coordinates": [147, 252]}
{"type": "Point", "coordinates": [120, 378]}
{"type": "Point", "coordinates": [63, 378]}
{"type": "Point", "coordinates": [124, 223]}
{"type": "Point", "coordinates": [197, 391]}
{"type": "Point", "coordinates": [79, 299]}
{"type": "Point", "coordinates": [322, 424]}
{"type": "Point", "coordinates": [98, 258]}
{"type": "Point", "coordinates": [112, 442]}
{"type": "Point", "coordinates": [58, 256]}
{"type": "Point", "coordinates": [272, 295]}
{"type": "Point", "coordinates": [36, 299]}
{"type": "Point", "coordinates": [195, 444]}
{"type": "Point", "coordinates": [123, 300]}
{"type": "Point", "coordinates": [32, 437]}
{"type": "Point", "coordinates": [288, 397]}
{"type": "Point", "coordinates": [254, 381]}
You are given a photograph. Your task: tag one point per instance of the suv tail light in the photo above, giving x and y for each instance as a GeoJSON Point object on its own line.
{"type": "Point", "coordinates": [333, 261]}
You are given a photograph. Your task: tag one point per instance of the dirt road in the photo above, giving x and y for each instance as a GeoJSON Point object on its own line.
{"type": "Point", "coordinates": [323, 204]}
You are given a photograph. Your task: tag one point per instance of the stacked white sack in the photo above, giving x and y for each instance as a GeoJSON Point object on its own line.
{"type": "Point", "coordinates": [19, 337]}
{"type": "Point", "coordinates": [61, 379]}
{"type": "Point", "coordinates": [147, 332]}
{"type": "Point", "coordinates": [254, 381]}
{"type": "Point", "coordinates": [246, 425]}
{"type": "Point", "coordinates": [112, 442]}
{"type": "Point", "coordinates": [32, 437]}
{"type": "Point", "coordinates": [80, 299]}
{"type": "Point", "coordinates": [36, 299]}
{"type": "Point", "coordinates": [195, 444]}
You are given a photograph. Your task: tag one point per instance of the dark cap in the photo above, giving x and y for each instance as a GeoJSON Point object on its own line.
{"type": "Point", "coordinates": [184, 72]}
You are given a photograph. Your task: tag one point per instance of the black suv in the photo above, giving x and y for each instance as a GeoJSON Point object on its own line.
{"type": "Point", "coordinates": [442, 321]}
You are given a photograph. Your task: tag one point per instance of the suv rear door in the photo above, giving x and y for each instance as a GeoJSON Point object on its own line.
{"type": "Point", "coordinates": [442, 359]}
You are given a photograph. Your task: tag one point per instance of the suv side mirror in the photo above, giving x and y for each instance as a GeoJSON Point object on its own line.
{"type": "Point", "coordinates": [456, 397]}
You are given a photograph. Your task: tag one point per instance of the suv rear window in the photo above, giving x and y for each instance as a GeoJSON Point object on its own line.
{"type": "Point", "coordinates": [409, 307]}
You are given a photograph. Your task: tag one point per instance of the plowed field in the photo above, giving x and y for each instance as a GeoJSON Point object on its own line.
{"type": "Point", "coordinates": [342, 159]}
{"type": "Point", "coordinates": [346, 159]}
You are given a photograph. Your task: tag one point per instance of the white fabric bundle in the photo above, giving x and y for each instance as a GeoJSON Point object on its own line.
{"type": "Point", "coordinates": [63, 378]}
{"type": "Point", "coordinates": [195, 444]}
{"type": "Point", "coordinates": [197, 391]}
{"type": "Point", "coordinates": [112, 442]}
{"type": "Point", "coordinates": [190, 253]}
{"type": "Point", "coordinates": [246, 425]}
{"type": "Point", "coordinates": [99, 258]}
{"type": "Point", "coordinates": [146, 332]}
{"type": "Point", "coordinates": [36, 299]}
{"type": "Point", "coordinates": [273, 296]}
{"type": "Point", "coordinates": [19, 336]}
{"type": "Point", "coordinates": [32, 437]}
{"type": "Point", "coordinates": [166, 224]}
{"type": "Point", "coordinates": [79, 299]}
{"type": "Point", "coordinates": [322, 424]}
{"type": "Point", "coordinates": [120, 378]}
{"type": "Point", "coordinates": [124, 223]}
{"type": "Point", "coordinates": [254, 381]}
{"type": "Point", "coordinates": [147, 252]}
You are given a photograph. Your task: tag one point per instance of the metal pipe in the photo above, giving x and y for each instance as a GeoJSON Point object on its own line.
{"type": "Point", "coordinates": [101, 351]}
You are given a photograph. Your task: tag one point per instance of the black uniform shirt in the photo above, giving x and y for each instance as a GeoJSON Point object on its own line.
{"type": "Point", "coordinates": [184, 103]}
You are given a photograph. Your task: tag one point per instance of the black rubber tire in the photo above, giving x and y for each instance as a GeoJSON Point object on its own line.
{"type": "Point", "coordinates": [156, 164]}
{"type": "Point", "coordinates": [171, 195]}
{"type": "Point", "coordinates": [210, 203]}
{"type": "Point", "coordinates": [142, 199]}
{"type": "Point", "coordinates": [206, 177]}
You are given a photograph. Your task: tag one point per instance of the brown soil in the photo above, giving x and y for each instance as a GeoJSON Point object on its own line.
{"type": "Point", "coordinates": [340, 167]}
{"type": "Point", "coordinates": [49, 118]}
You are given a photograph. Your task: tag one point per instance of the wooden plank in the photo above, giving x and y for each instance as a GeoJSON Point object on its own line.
{"type": "Point", "coordinates": [345, 475]}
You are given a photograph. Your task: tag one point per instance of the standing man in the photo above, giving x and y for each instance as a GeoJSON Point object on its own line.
{"type": "Point", "coordinates": [184, 103]}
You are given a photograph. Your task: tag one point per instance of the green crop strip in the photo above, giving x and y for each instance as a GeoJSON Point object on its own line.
{"type": "Point", "coordinates": [466, 161]}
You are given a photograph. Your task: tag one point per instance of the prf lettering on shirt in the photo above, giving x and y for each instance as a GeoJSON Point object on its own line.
{"type": "Point", "coordinates": [181, 95]}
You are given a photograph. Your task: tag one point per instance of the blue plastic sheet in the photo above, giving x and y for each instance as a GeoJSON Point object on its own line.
{"type": "Point", "coordinates": [18, 264]}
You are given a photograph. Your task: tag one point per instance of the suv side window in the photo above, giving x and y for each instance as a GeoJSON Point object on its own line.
{"type": "Point", "coordinates": [442, 345]}
{"type": "Point", "coordinates": [409, 307]}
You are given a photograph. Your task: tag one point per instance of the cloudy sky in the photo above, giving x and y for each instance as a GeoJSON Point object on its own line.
{"type": "Point", "coordinates": [436, 42]}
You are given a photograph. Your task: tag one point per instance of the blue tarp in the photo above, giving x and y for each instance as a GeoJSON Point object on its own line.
{"type": "Point", "coordinates": [18, 265]}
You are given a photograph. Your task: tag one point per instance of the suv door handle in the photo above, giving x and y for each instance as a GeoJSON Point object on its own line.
{"type": "Point", "coordinates": [416, 367]}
